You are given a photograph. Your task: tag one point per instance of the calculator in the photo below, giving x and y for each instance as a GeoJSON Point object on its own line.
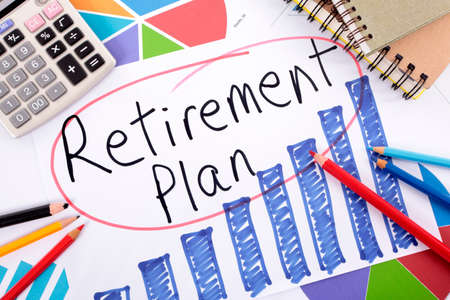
{"type": "Point", "coordinates": [49, 58]}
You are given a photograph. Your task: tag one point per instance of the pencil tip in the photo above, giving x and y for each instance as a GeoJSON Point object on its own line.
{"type": "Point", "coordinates": [80, 227]}
{"type": "Point", "coordinates": [312, 153]}
{"type": "Point", "coordinates": [65, 205]}
{"type": "Point", "coordinates": [78, 217]}
{"type": "Point", "coordinates": [370, 148]}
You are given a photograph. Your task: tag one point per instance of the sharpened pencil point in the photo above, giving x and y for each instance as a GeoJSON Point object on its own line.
{"type": "Point", "coordinates": [80, 227]}
{"type": "Point", "coordinates": [78, 217]}
{"type": "Point", "coordinates": [312, 153]}
{"type": "Point", "coordinates": [65, 205]}
{"type": "Point", "coordinates": [370, 148]}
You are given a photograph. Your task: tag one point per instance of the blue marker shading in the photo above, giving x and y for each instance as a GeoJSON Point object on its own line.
{"type": "Point", "coordinates": [61, 287]}
{"type": "Point", "coordinates": [115, 294]}
{"type": "Point", "coordinates": [441, 210]}
{"type": "Point", "coordinates": [39, 285]}
{"type": "Point", "coordinates": [317, 202]}
{"type": "Point", "coordinates": [284, 227]}
{"type": "Point", "coordinates": [373, 134]}
{"type": "Point", "coordinates": [3, 271]}
{"type": "Point", "coordinates": [246, 246]}
{"type": "Point", "coordinates": [199, 251]}
{"type": "Point", "coordinates": [21, 270]}
{"type": "Point", "coordinates": [158, 278]}
{"type": "Point", "coordinates": [335, 132]}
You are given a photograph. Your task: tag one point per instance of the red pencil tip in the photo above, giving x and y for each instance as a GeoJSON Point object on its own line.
{"type": "Point", "coordinates": [312, 153]}
{"type": "Point", "coordinates": [80, 227]}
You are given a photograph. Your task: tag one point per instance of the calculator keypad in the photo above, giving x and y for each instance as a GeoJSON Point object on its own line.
{"type": "Point", "coordinates": [19, 118]}
{"type": "Point", "coordinates": [63, 23]}
{"type": "Point", "coordinates": [6, 64]}
{"type": "Point", "coordinates": [56, 91]}
{"type": "Point", "coordinates": [35, 64]}
{"type": "Point", "coordinates": [38, 105]}
{"type": "Point", "coordinates": [30, 83]}
{"type": "Point", "coordinates": [45, 78]}
{"type": "Point", "coordinates": [9, 104]}
{"type": "Point", "coordinates": [24, 51]}
{"type": "Point", "coordinates": [45, 36]}
{"type": "Point", "coordinates": [16, 78]}
{"type": "Point", "coordinates": [14, 37]}
{"type": "Point", "coordinates": [73, 36]}
{"type": "Point", "coordinates": [27, 91]}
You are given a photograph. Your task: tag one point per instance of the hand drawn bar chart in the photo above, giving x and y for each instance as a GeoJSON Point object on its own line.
{"type": "Point", "coordinates": [198, 247]}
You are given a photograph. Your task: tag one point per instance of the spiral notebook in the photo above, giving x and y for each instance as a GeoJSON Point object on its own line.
{"type": "Point", "coordinates": [403, 62]}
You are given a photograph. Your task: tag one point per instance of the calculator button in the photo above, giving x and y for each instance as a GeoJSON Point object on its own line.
{"type": "Point", "coordinates": [35, 64]}
{"type": "Point", "coordinates": [38, 105]}
{"type": "Point", "coordinates": [45, 78]}
{"type": "Point", "coordinates": [63, 23]}
{"type": "Point", "coordinates": [52, 9]}
{"type": "Point", "coordinates": [6, 64]}
{"type": "Point", "coordinates": [72, 69]}
{"type": "Point", "coordinates": [73, 36]}
{"type": "Point", "coordinates": [14, 37]}
{"type": "Point", "coordinates": [84, 49]}
{"type": "Point", "coordinates": [94, 62]}
{"type": "Point", "coordinates": [34, 23]}
{"type": "Point", "coordinates": [25, 50]}
{"type": "Point", "coordinates": [3, 89]}
{"type": "Point", "coordinates": [55, 49]}
{"type": "Point", "coordinates": [16, 78]}
{"type": "Point", "coordinates": [9, 104]}
{"type": "Point", "coordinates": [56, 91]}
{"type": "Point", "coordinates": [6, 25]}
{"type": "Point", "coordinates": [27, 91]}
{"type": "Point", "coordinates": [45, 36]}
{"type": "Point", "coordinates": [2, 49]}
{"type": "Point", "coordinates": [20, 118]}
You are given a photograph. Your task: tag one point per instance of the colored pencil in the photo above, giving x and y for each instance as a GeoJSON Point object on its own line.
{"type": "Point", "coordinates": [35, 236]}
{"type": "Point", "coordinates": [32, 214]}
{"type": "Point", "coordinates": [409, 155]}
{"type": "Point", "coordinates": [43, 264]}
{"type": "Point", "coordinates": [414, 181]}
{"type": "Point", "coordinates": [382, 205]}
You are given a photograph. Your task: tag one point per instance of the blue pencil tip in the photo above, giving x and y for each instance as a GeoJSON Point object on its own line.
{"type": "Point", "coordinates": [370, 148]}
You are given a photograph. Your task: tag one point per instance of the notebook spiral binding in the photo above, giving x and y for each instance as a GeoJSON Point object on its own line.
{"type": "Point", "coordinates": [353, 43]}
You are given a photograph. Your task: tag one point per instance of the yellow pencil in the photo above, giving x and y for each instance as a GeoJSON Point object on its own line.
{"type": "Point", "coordinates": [35, 236]}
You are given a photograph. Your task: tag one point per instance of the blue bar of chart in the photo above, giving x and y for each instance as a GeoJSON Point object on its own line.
{"type": "Point", "coordinates": [158, 278]}
{"type": "Point", "coordinates": [373, 134]}
{"type": "Point", "coordinates": [201, 257]}
{"type": "Point", "coordinates": [114, 294]}
{"type": "Point", "coordinates": [317, 202]}
{"type": "Point", "coordinates": [61, 287]}
{"type": "Point", "coordinates": [285, 230]}
{"type": "Point", "coordinates": [333, 126]}
{"type": "Point", "coordinates": [252, 268]}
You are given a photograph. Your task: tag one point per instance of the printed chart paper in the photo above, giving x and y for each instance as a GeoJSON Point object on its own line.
{"type": "Point", "coordinates": [187, 176]}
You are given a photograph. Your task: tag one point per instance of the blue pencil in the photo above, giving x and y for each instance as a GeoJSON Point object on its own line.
{"type": "Point", "coordinates": [409, 155]}
{"type": "Point", "coordinates": [411, 180]}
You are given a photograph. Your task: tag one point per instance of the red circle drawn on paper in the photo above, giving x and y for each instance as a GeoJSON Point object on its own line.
{"type": "Point", "coordinates": [202, 65]}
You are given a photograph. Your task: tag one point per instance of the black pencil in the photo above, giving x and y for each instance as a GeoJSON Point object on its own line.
{"type": "Point", "coordinates": [32, 214]}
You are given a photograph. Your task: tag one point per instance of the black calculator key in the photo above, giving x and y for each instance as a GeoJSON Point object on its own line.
{"type": "Point", "coordinates": [14, 37]}
{"type": "Point", "coordinates": [84, 49]}
{"type": "Point", "coordinates": [2, 49]}
{"type": "Point", "coordinates": [63, 23]}
{"type": "Point", "coordinates": [45, 36]}
{"type": "Point", "coordinates": [55, 49]}
{"type": "Point", "coordinates": [94, 62]}
{"type": "Point", "coordinates": [73, 36]}
{"type": "Point", "coordinates": [72, 69]}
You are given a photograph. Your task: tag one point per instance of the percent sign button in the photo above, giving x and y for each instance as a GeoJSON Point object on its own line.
{"type": "Point", "coordinates": [45, 36]}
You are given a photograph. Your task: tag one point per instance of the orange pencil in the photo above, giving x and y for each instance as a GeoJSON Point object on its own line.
{"type": "Point", "coordinates": [43, 264]}
{"type": "Point", "coordinates": [382, 205]}
{"type": "Point", "coordinates": [34, 236]}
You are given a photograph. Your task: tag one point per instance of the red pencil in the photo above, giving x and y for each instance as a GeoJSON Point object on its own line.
{"type": "Point", "coordinates": [382, 205]}
{"type": "Point", "coordinates": [43, 264]}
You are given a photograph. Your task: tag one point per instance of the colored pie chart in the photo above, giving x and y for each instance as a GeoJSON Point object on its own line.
{"type": "Point", "coordinates": [134, 30]}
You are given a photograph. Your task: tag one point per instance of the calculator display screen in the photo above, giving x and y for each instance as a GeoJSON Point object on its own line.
{"type": "Point", "coordinates": [6, 6]}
